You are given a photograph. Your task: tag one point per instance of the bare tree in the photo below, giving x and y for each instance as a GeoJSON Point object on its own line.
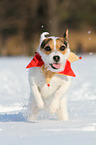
{"type": "Point", "coordinates": [53, 16]}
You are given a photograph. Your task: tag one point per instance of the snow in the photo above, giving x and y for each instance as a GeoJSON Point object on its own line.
{"type": "Point", "coordinates": [14, 94]}
{"type": "Point", "coordinates": [89, 32]}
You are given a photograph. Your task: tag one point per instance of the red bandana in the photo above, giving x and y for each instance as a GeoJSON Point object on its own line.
{"type": "Point", "coordinates": [38, 62]}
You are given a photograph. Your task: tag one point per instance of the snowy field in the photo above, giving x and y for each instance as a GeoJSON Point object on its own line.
{"type": "Point", "coordinates": [14, 94]}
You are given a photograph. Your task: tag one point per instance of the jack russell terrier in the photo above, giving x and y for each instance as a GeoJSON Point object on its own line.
{"type": "Point", "coordinates": [49, 76]}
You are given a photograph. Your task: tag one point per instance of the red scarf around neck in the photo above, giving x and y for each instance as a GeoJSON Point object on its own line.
{"type": "Point", "coordinates": [38, 62]}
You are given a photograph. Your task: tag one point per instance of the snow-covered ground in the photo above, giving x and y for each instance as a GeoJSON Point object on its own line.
{"type": "Point", "coordinates": [14, 94]}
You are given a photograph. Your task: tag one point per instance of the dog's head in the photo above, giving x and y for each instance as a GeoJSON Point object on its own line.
{"type": "Point", "coordinates": [54, 51]}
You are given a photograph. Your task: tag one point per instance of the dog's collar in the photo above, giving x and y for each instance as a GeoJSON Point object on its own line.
{"type": "Point", "coordinates": [38, 62]}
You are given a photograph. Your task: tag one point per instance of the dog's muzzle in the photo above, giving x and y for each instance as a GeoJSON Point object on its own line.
{"type": "Point", "coordinates": [56, 58]}
{"type": "Point", "coordinates": [56, 64]}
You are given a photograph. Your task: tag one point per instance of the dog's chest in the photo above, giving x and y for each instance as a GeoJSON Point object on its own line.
{"type": "Point", "coordinates": [38, 77]}
{"type": "Point", "coordinates": [46, 91]}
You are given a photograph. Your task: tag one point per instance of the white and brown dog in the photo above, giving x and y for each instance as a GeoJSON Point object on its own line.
{"type": "Point", "coordinates": [54, 51]}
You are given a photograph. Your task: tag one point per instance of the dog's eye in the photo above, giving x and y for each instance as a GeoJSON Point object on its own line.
{"type": "Point", "coordinates": [62, 48]}
{"type": "Point", "coordinates": [47, 48]}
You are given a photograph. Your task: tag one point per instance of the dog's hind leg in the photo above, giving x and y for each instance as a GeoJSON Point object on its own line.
{"type": "Point", "coordinates": [62, 111]}
{"type": "Point", "coordinates": [33, 115]}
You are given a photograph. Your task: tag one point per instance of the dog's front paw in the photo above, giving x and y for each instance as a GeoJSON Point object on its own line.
{"type": "Point", "coordinates": [53, 107]}
{"type": "Point", "coordinates": [40, 105]}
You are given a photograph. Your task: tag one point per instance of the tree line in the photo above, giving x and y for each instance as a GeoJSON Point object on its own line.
{"type": "Point", "coordinates": [29, 18]}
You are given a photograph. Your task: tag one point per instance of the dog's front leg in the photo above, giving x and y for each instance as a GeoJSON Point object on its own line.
{"type": "Point", "coordinates": [55, 102]}
{"type": "Point", "coordinates": [37, 96]}
{"type": "Point", "coordinates": [62, 111]}
{"type": "Point", "coordinates": [61, 91]}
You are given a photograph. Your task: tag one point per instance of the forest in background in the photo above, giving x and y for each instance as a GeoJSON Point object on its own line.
{"type": "Point", "coordinates": [22, 22]}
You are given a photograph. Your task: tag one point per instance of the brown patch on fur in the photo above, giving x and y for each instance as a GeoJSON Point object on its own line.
{"type": "Point", "coordinates": [48, 74]}
{"type": "Point", "coordinates": [59, 43]}
{"type": "Point", "coordinates": [47, 42]}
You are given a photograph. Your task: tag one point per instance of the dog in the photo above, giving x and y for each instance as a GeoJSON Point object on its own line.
{"type": "Point", "coordinates": [54, 51]}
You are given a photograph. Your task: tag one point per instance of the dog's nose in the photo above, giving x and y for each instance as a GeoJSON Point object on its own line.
{"type": "Point", "coordinates": [56, 58]}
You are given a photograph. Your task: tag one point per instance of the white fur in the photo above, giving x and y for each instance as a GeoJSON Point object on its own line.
{"type": "Point", "coordinates": [52, 98]}
{"type": "Point", "coordinates": [43, 36]}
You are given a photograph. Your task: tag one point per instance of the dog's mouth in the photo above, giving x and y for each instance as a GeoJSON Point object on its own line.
{"type": "Point", "coordinates": [55, 65]}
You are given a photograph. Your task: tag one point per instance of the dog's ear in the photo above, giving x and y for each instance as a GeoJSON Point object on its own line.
{"type": "Point", "coordinates": [66, 35]}
{"type": "Point", "coordinates": [43, 36]}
